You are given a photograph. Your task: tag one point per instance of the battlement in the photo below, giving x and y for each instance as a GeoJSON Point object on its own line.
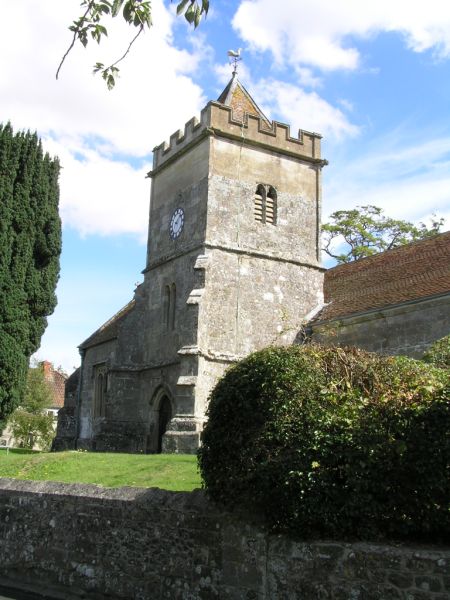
{"type": "Point", "coordinates": [219, 120]}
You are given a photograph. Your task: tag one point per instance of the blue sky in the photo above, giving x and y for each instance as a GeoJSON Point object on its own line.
{"type": "Point", "coordinates": [373, 78]}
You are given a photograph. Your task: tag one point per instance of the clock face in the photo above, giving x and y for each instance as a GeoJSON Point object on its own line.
{"type": "Point", "coordinates": [176, 223]}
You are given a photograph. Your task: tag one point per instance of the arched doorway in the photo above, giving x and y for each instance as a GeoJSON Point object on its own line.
{"type": "Point", "coordinates": [161, 412]}
{"type": "Point", "coordinates": [165, 414]}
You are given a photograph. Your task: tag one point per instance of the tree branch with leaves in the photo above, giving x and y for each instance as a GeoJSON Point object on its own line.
{"type": "Point", "coordinates": [137, 13]}
{"type": "Point", "coordinates": [365, 230]}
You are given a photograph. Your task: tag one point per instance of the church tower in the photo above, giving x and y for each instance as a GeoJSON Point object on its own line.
{"type": "Point", "coordinates": [232, 266]}
{"type": "Point", "coordinates": [233, 249]}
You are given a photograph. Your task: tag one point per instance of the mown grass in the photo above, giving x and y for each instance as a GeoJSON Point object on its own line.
{"type": "Point", "coordinates": [177, 472]}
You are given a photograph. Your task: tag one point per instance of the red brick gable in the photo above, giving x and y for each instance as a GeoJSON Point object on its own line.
{"type": "Point", "coordinates": [57, 382]}
{"type": "Point", "coordinates": [407, 273]}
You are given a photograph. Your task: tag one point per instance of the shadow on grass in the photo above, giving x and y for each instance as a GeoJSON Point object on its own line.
{"type": "Point", "coordinates": [18, 451]}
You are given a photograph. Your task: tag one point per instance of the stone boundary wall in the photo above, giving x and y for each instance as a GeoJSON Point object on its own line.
{"type": "Point", "coordinates": [83, 541]}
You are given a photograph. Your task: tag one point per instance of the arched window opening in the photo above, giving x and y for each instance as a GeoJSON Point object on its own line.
{"type": "Point", "coordinates": [166, 306]}
{"type": "Point", "coordinates": [260, 204]}
{"type": "Point", "coordinates": [173, 303]}
{"type": "Point", "coordinates": [100, 389]}
{"type": "Point", "coordinates": [165, 414]}
{"type": "Point", "coordinates": [265, 204]}
{"type": "Point", "coordinates": [169, 306]}
{"type": "Point", "coordinates": [271, 206]}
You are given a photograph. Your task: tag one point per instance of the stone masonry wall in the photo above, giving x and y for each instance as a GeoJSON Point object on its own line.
{"type": "Point", "coordinates": [79, 541]}
{"type": "Point", "coordinates": [407, 329]}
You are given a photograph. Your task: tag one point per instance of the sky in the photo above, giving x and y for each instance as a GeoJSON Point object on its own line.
{"type": "Point", "coordinates": [372, 77]}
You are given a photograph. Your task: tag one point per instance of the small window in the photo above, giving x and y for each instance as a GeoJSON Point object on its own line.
{"type": "Point", "coordinates": [265, 204]}
{"type": "Point", "coordinates": [271, 206]}
{"type": "Point", "coordinates": [166, 306]}
{"type": "Point", "coordinates": [260, 204]}
{"type": "Point", "coordinates": [173, 303]}
{"type": "Point", "coordinates": [100, 388]}
{"type": "Point", "coordinates": [169, 306]}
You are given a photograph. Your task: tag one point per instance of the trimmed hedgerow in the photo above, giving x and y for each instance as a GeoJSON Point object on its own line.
{"type": "Point", "coordinates": [439, 353]}
{"type": "Point", "coordinates": [332, 442]}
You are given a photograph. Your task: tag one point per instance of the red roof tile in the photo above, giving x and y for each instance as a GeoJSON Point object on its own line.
{"type": "Point", "coordinates": [400, 275]}
{"type": "Point", "coordinates": [239, 100]}
{"type": "Point", "coordinates": [57, 382]}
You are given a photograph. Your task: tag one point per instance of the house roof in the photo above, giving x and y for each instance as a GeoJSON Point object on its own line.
{"type": "Point", "coordinates": [240, 101]}
{"type": "Point", "coordinates": [57, 383]}
{"type": "Point", "coordinates": [109, 330]}
{"type": "Point", "coordinates": [411, 272]}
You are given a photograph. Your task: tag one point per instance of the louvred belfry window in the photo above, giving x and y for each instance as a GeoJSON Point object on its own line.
{"type": "Point", "coordinates": [265, 204]}
{"type": "Point", "coordinates": [271, 206]}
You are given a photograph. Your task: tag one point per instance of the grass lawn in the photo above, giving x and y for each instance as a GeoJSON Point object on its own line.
{"type": "Point", "coordinates": [176, 472]}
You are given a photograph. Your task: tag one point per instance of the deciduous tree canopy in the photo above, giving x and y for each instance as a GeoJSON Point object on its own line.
{"type": "Point", "coordinates": [365, 230]}
{"type": "Point", "coordinates": [30, 423]}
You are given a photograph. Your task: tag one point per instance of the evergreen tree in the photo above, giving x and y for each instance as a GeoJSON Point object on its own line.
{"type": "Point", "coordinates": [30, 245]}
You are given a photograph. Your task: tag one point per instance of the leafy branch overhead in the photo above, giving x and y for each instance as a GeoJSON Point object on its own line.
{"type": "Point", "coordinates": [137, 13]}
{"type": "Point", "coordinates": [365, 230]}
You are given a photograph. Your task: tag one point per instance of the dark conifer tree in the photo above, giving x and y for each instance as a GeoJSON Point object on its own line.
{"type": "Point", "coordinates": [30, 245]}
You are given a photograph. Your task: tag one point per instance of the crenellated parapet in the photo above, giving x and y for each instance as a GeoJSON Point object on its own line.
{"type": "Point", "coordinates": [219, 120]}
{"type": "Point", "coordinates": [180, 140]}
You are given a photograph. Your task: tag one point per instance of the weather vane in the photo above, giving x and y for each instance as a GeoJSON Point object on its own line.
{"type": "Point", "coordinates": [235, 57]}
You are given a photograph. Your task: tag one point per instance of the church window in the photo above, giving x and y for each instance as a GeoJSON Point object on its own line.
{"type": "Point", "coordinates": [166, 306]}
{"type": "Point", "coordinates": [173, 302]}
{"type": "Point", "coordinates": [271, 206]}
{"type": "Point", "coordinates": [265, 204]}
{"type": "Point", "coordinates": [169, 306]}
{"type": "Point", "coordinates": [100, 388]}
{"type": "Point", "coordinates": [260, 203]}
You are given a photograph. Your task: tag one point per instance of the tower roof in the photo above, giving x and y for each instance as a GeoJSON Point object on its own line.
{"type": "Point", "coordinates": [240, 101]}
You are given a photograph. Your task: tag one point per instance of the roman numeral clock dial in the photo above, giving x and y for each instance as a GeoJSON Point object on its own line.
{"type": "Point", "coordinates": [176, 223]}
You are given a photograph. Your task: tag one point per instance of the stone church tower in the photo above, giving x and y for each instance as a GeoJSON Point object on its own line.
{"type": "Point", "coordinates": [232, 266]}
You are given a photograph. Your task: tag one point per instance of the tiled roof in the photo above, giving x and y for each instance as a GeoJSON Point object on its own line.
{"type": "Point", "coordinates": [57, 382]}
{"type": "Point", "coordinates": [406, 273]}
{"type": "Point", "coordinates": [108, 331]}
{"type": "Point", "coordinates": [239, 100]}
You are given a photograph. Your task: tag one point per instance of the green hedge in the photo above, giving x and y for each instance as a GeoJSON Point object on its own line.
{"type": "Point", "coordinates": [439, 353]}
{"type": "Point", "coordinates": [332, 442]}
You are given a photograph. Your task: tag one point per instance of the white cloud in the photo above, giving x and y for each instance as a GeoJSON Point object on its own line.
{"type": "Point", "coordinates": [306, 77]}
{"type": "Point", "coordinates": [303, 110]}
{"type": "Point", "coordinates": [293, 105]}
{"type": "Point", "coordinates": [408, 178]}
{"type": "Point", "coordinates": [319, 32]}
{"type": "Point", "coordinates": [223, 73]}
{"type": "Point", "coordinates": [100, 193]}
